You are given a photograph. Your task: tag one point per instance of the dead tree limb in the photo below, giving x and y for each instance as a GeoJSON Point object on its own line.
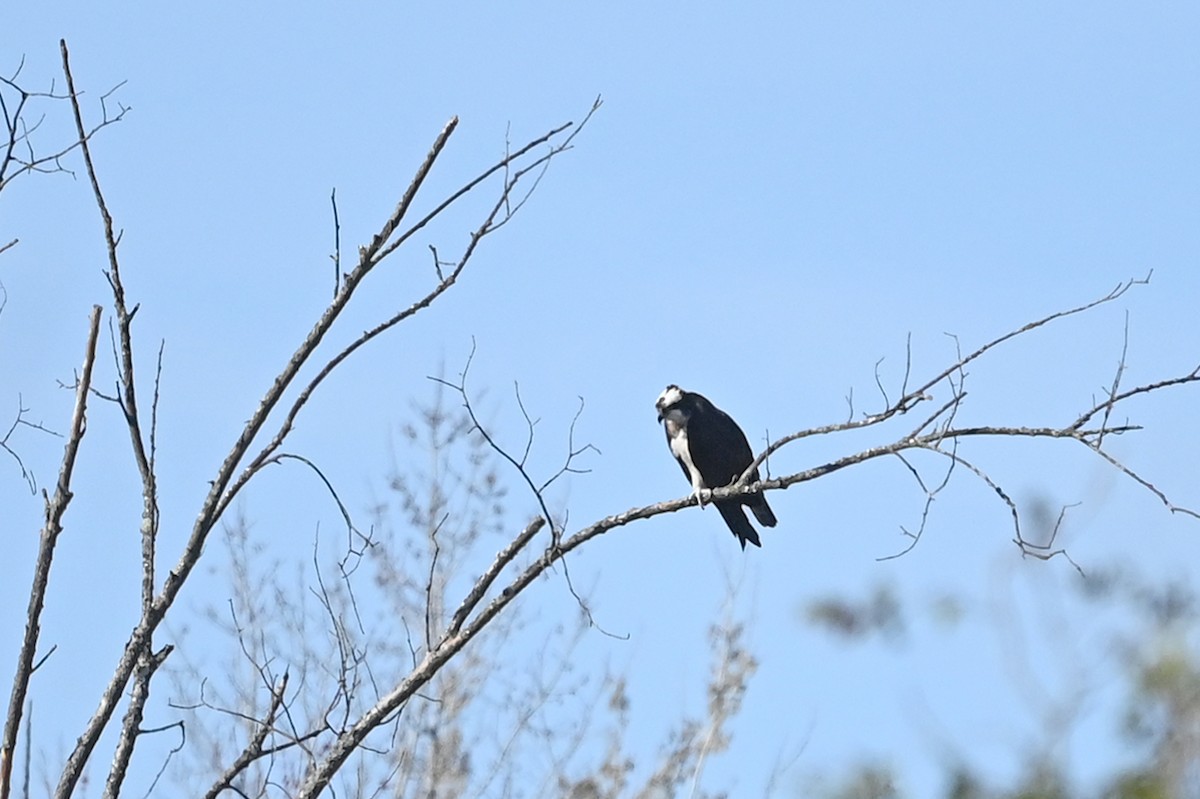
{"type": "Point", "coordinates": [56, 506]}
{"type": "Point", "coordinates": [147, 661]}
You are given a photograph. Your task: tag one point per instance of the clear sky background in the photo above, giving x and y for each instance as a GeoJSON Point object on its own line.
{"type": "Point", "coordinates": [772, 198]}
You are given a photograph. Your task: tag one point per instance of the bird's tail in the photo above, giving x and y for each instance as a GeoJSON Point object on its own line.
{"type": "Point", "coordinates": [763, 512]}
{"type": "Point", "coordinates": [735, 517]}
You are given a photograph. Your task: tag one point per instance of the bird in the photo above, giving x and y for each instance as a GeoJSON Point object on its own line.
{"type": "Point", "coordinates": [713, 452]}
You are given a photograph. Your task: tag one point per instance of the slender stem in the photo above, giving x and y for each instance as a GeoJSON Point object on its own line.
{"type": "Point", "coordinates": [56, 506]}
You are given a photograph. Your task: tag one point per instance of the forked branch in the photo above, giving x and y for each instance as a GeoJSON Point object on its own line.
{"type": "Point", "coordinates": [18, 156]}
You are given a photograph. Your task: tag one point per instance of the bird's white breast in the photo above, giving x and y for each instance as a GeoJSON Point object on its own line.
{"type": "Point", "coordinates": [678, 439]}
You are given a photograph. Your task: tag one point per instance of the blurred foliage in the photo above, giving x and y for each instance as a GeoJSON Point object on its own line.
{"type": "Point", "coordinates": [848, 618]}
{"type": "Point", "coordinates": [1161, 669]}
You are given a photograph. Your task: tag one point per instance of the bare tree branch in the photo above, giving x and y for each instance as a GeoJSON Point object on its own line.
{"type": "Point", "coordinates": [147, 661]}
{"type": "Point", "coordinates": [336, 257]}
{"type": "Point", "coordinates": [131, 724]}
{"type": "Point", "coordinates": [20, 422]}
{"type": "Point", "coordinates": [371, 255]}
{"type": "Point", "coordinates": [518, 464]}
{"type": "Point", "coordinates": [17, 154]}
{"type": "Point", "coordinates": [225, 487]}
{"type": "Point", "coordinates": [920, 394]}
{"type": "Point", "coordinates": [1086, 417]}
{"type": "Point", "coordinates": [255, 749]}
{"type": "Point", "coordinates": [56, 506]}
{"type": "Point", "coordinates": [503, 558]}
{"type": "Point", "coordinates": [342, 509]}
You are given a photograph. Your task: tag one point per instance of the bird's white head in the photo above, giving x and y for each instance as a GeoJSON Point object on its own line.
{"type": "Point", "coordinates": [670, 396]}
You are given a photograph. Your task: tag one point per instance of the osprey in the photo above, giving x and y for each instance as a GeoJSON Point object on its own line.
{"type": "Point", "coordinates": [713, 452]}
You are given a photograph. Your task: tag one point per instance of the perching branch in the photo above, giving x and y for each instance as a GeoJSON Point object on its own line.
{"type": "Point", "coordinates": [909, 399]}
{"type": "Point", "coordinates": [936, 432]}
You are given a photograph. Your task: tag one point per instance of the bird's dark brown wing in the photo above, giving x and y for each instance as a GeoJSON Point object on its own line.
{"type": "Point", "coordinates": [719, 447]}
{"type": "Point", "coordinates": [721, 452]}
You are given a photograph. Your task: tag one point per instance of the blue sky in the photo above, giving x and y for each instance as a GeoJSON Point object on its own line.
{"type": "Point", "coordinates": [771, 199]}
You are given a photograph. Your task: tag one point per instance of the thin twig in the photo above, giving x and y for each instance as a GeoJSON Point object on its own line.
{"type": "Point", "coordinates": [337, 245]}
{"type": "Point", "coordinates": [341, 506]}
{"type": "Point", "coordinates": [911, 398]}
{"type": "Point", "coordinates": [254, 749]}
{"type": "Point", "coordinates": [519, 465]}
{"type": "Point", "coordinates": [1116, 383]}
